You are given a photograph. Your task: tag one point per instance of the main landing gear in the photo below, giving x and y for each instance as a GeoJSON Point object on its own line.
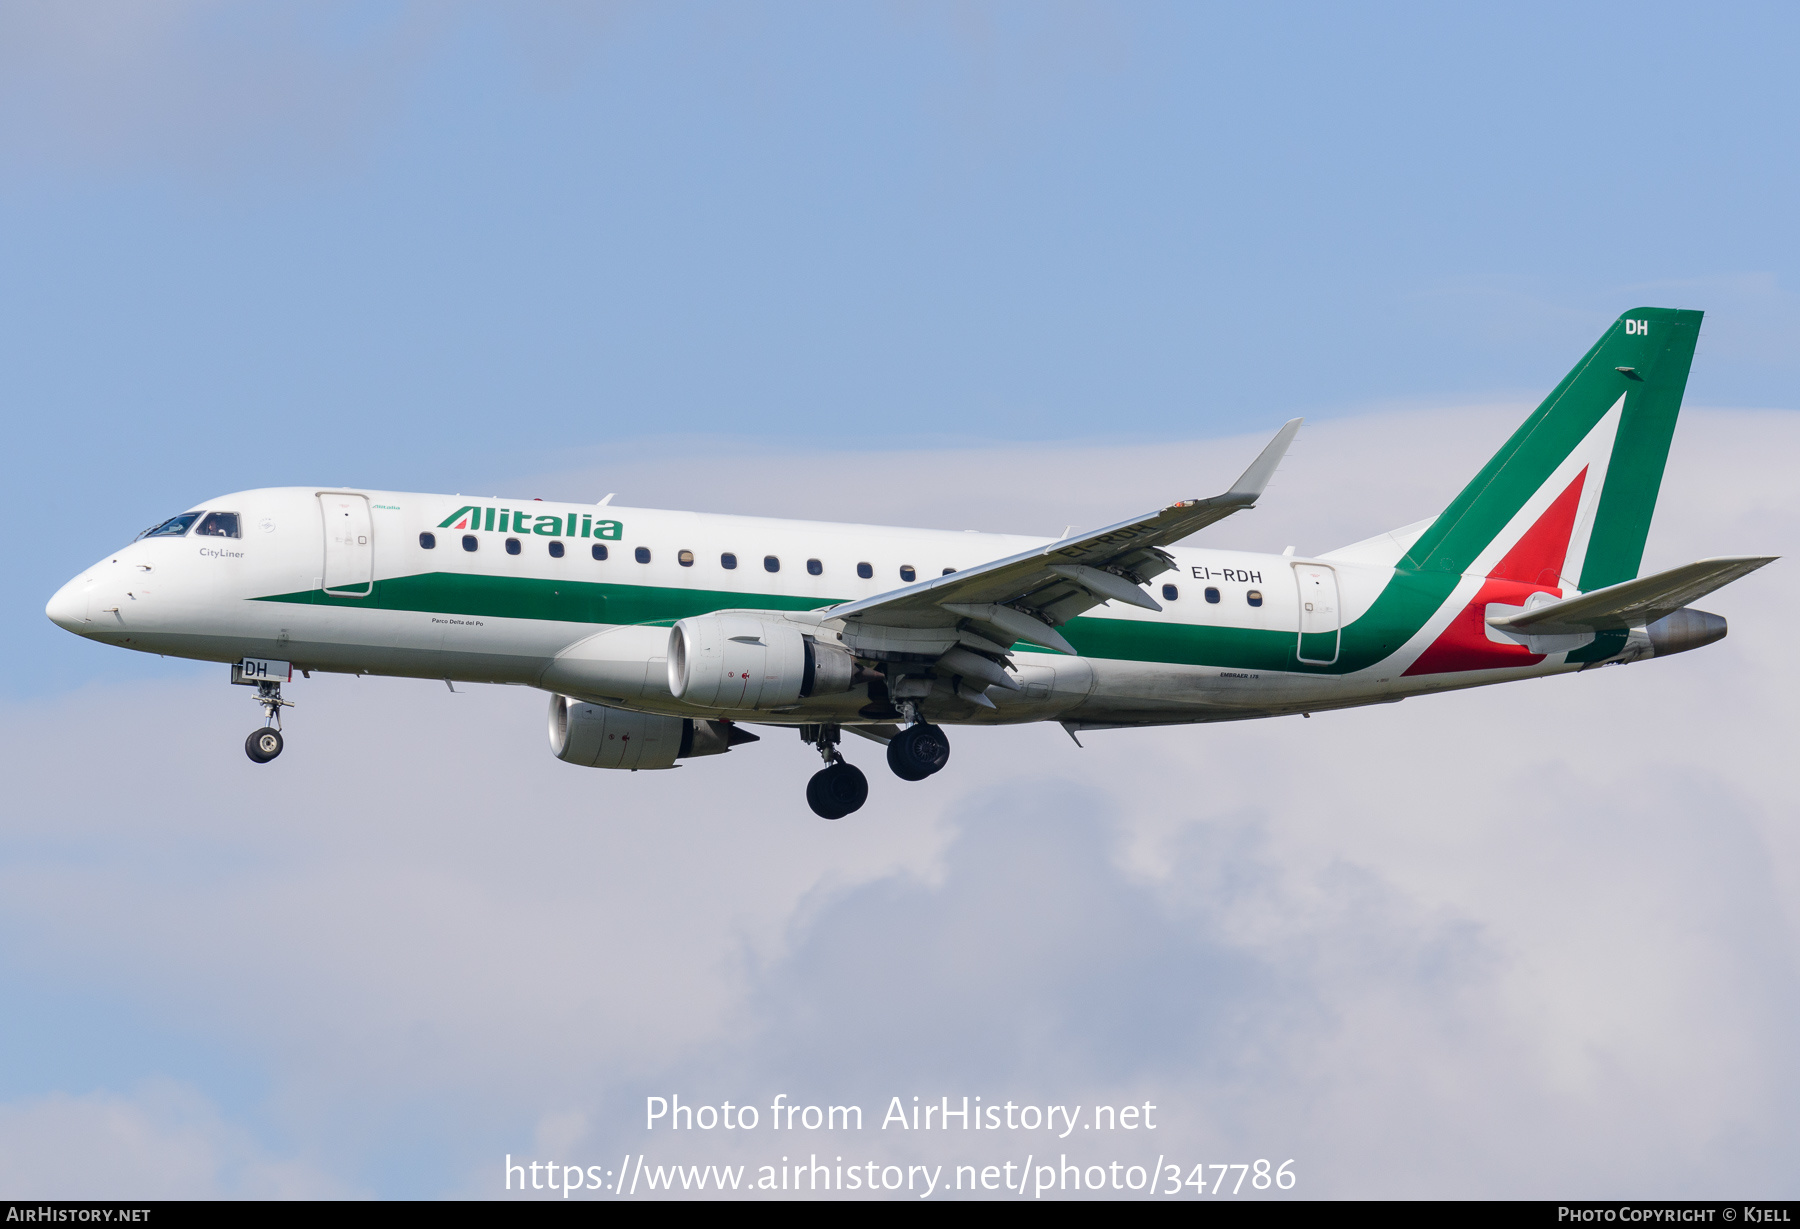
{"type": "Point", "coordinates": [838, 788]}
{"type": "Point", "coordinates": [265, 744]}
{"type": "Point", "coordinates": [918, 751]}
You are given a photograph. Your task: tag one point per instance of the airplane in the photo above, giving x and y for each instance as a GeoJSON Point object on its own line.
{"type": "Point", "coordinates": [661, 635]}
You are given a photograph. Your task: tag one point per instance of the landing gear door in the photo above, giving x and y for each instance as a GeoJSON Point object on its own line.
{"type": "Point", "coordinates": [349, 544]}
{"type": "Point", "coordinates": [1319, 631]}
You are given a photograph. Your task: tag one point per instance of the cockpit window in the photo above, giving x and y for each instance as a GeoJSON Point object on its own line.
{"type": "Point", "coordinates": [218, 525]}
{"type": "Point", "coordinates": [174, 527]}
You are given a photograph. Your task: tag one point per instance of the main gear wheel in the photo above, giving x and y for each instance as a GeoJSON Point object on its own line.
{"type": "Point", "coordinates": [836, 790]}
{"type": "Point", "coordinates": [918, 751]}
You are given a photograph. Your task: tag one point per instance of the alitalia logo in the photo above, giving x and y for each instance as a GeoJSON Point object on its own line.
{"type": "Point", "coordinates": [520, 520]}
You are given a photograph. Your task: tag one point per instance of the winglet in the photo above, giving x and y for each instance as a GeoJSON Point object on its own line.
{"type": "Point", "coordinates": [1248, 488]}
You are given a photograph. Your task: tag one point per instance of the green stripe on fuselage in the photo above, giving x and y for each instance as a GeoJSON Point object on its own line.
{"type": "Point", "coordinates": [569, 601]}
{"type": "Point", "coordinates": [1402, 608]}
{"type": "Point", "coordinates": [1404, 605]}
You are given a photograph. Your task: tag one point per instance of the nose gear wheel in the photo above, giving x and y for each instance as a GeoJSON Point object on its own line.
{"type": "Point", "coordinates": [265, 744]}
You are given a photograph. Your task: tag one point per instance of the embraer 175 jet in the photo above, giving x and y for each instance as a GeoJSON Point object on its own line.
{"type": "Point", "coordinates": [660, 634]}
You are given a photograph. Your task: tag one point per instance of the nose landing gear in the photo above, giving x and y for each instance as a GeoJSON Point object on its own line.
{"type": "Point", "coordinates": [839, 788]}
{"type": "Point", "coordinates": [265, 744]}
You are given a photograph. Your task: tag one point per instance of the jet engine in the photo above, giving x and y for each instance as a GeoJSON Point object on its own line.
{"type": "Point", "coordinates": [1683, 630]}
{"type": "Point", "coordinates": [742, 661]}
{"type": "Point", "coordinates": [600, 736]}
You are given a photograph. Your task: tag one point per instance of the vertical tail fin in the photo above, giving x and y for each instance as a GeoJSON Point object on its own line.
{"type": "Point", "coordinates": [1567, 501]}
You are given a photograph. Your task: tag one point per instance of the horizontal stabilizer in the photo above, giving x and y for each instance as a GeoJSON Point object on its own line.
{"type": "Point", "coordinates": [1632, 603]}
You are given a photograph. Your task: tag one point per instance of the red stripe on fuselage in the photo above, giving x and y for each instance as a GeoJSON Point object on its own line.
{"type": "Point", "coordinates": [1533, 565]}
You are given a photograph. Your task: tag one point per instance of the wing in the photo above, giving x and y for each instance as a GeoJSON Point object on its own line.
{"type": "Point", "coordinates": [1633, 603]}
{"type": "Point", "coordinates": [1025, 596]}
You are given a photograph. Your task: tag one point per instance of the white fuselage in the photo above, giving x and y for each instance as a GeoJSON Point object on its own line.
{"type": "Point", "coordinates": [486, 615]}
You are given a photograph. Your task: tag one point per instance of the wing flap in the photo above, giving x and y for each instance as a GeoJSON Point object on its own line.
{"type": "Point", "coordinates": [1013, 623]}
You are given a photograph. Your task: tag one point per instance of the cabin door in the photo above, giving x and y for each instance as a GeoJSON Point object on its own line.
{"type": "Point", "coordinates": [1319, 632]}
{"type": "Point", "coordinates": [349, 544]}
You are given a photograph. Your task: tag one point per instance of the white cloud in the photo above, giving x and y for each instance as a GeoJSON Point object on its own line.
{"type": "Point", "coordinates": [1528, 940]}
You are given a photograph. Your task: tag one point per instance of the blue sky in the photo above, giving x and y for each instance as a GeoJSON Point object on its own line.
{"type": "Point", "coordinates": [429, 247]}
{"type": "Point", "coordinates": [743, 257]}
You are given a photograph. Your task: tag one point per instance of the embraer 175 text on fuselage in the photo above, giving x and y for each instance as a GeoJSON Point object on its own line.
{"type": "Point", "coordinates": [658, 634]}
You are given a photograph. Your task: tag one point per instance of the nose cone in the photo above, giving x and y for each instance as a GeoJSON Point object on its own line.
{"type": "Point", "coordinates": [69, 608]}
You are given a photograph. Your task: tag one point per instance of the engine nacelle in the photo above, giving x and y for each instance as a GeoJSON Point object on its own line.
{"type": "Point", "coordinates": [742, 661]}
{"type": "Point", "coordinates": [600, 736]}
{"type": "Point", "coordinates": [1683, 630]}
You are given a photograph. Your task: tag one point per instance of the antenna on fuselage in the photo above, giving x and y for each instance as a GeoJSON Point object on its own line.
{"type": "Point", "coordinates": [607, 500]}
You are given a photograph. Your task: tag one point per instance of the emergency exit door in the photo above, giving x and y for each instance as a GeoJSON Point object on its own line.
{"type": "Point", "coordinates": [1319, 631]}
{"type": "Point", "coordinates": [349, 544]}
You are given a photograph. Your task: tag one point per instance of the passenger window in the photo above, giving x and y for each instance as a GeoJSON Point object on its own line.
{"type": "Point", "coordinates": [907, 573]}
{"type": "Point", "coordinates": [947, 571]}
{"type": "Point", "coordinates": [512, 546]}
{"type": "Point", "coordinates": [1171, 593]}
{"type": "Point", "coordinates": [174, 527]}
{"type": "Point", "coordinates": [428, 541]}
{"type": "Point", "coordinates": [866, 571]}
{"type": "Point", "coordinates": [1254, 597]}
{"type": "Point", "coordinates": [814, 567]}
{"type": "Point", "coordinates": [643, 554]}
{"type": "Point", "coordinates": [728, 561]}
{"type": "Point", "coordinates": [685, 558]}
{"type": "Point", "coordinates": [218, 525]}
{"type": "Point", "coordinates": [1212, 595]}
{"type": "Point", "coordinates": [599, 551]}
{"type": "Point", "coordinates": [469, 542]}
{"type": "Point", "coordinates": [556, 550]}
{"type": "Point", "coordinates": [771, 563]}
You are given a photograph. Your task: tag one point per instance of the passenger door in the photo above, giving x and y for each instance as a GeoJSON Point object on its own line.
{"type": "Point", "coordinates": [349, 544]}
{"type": "Point", "coordinates": [1318, 613]}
